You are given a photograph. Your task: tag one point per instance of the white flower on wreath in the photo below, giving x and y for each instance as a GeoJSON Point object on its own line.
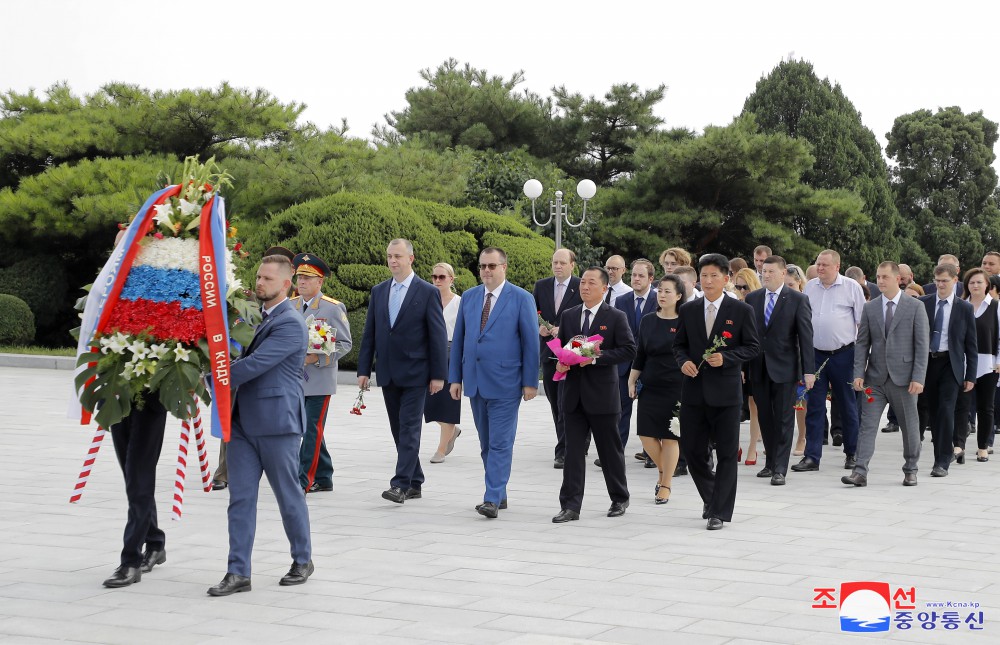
{"type": "Point", "coordinates": [181, 354]}
{"type": "Point", "coordinates": [129, 371]}
{"type": "Point", "coordinates": [158, 350]}
{"type": "Point", "coordinates": [116, 343]}
{"type": "Point", "coordinates": [163, 212]}
{"type": "Point", "coordinates": [188, 208]}
{"type": "Point", "coordinates": [138, 349]}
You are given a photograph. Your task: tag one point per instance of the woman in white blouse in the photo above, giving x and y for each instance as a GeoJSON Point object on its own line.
{"type": "Point", "coordinates": [440, 407]}
{"type": "Point", "coordinates": [980, 398]}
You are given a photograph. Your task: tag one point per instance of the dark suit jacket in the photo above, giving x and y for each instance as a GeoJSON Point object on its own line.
{"type": "Point", "coordinates": [268, 376]}
{"type": "Point", "coordinates": [412, 352]}
{"type": "Point", "coordinates": [787, 343]}
{"type": "Point", "coordinates": [873, 290]}
{"type": "Point", "coordinates": [715, 386]}
{"type": "Point", "coordinates": [962, 343]}
{"type": "Point", "coordinates": [596, 386]}
{"type": "Point", "coordinates": [545, 302]}
{"type": "Point", "coordinates": [931, 290]}
{"type": "Point", "coordinates": [626, 304]}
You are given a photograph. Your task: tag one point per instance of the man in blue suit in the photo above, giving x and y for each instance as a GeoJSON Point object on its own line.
{"type": "Point", "coordinates": [636, 304]}
{"type": "Point", "coordinates": [494, 357]}
{"type": "Point", "coordinates": [406, 340]}
{"type": "Point", "coordinates": [268, 422]}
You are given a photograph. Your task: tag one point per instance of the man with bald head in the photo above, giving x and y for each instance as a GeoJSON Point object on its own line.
{"type": "Point", "coordinates": [615, 266]}
{"type": "Point", "coordinates": [905, 276]}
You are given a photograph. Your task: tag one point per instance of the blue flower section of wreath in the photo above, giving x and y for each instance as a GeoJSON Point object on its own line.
{"type": "Point", "coordinates": [163, 285]}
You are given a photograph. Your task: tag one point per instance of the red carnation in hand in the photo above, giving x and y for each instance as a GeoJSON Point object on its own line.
{"type": "Point", "coordinates": [576, 344]}
{"type": "Point", "coordinates": [727, 335]}
{"type": "Point", "coordinates": [868, 390]}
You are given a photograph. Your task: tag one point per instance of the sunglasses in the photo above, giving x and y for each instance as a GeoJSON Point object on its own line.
{"type": "Point", "coordinates": [438, 277]}
{"type": "Point", "coordinates": [492, 266]}
{"type": "Point", "coordinates": [742, 287]}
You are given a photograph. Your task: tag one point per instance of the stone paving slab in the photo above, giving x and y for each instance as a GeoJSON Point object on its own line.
{"type": "Point", "coordinates": [433, 571]}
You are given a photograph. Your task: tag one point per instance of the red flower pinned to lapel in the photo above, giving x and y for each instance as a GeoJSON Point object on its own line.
{"type": "Point", "coordinates": [727, 335]}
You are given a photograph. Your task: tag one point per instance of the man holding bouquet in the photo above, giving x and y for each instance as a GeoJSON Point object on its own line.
{"type": "Point", "coordinates": [715, 336]}
{"type": "Point", "coordinates": [589, 396]}
{"type": "Point", "coordinates": [319, 378]}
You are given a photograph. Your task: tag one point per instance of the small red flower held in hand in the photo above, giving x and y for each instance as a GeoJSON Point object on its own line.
{"type": "Point", "coordinates": [727, 335]}
{"type": "Point", "coordinates": [868, 392]}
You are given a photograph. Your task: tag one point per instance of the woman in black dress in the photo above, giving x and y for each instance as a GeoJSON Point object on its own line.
{"type": "Point", "coordinates": [655, 380]}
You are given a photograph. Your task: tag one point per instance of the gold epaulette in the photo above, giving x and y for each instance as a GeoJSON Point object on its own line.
{"type": "Point", "coordinates": [333, 300]}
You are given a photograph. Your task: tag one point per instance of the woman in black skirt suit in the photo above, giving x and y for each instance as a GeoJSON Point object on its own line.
{"type": "Point", "coordinates": [655, 380]}
{"type": "Point", "coordinates": [441, 407]}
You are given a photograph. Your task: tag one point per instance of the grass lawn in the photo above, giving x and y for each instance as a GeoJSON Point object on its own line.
{"type": "Point", "coordinates": [37, 351]}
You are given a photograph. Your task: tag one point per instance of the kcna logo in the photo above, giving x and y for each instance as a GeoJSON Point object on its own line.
{"type": "Point", "coordinates": [875, 607]}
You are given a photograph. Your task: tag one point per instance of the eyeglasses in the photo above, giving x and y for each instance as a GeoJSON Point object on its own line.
{"type": "Point", "coordinates": [742, 287]}
{"type": "Point", "coordinates": [439, 277]}
{"type": "Point", "coordinates": [614, 268]}
{"type": "Point", "coordinates": [492, 266]}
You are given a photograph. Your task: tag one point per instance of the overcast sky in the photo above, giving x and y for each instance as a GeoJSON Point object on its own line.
{"type": "Point", "coordinates": [357, 59]}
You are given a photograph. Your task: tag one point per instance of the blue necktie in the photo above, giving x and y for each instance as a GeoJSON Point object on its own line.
{"type": "Point", "coordinates": [938, 327]}
{"type": "Point", "coordinates": [395, 299]}
{"type": "Point", "coordinates": [586, 322]}
{"type": "Point", "coordinates": [638, 311]}
{"type": "Point", "coordinates": [768, 308]}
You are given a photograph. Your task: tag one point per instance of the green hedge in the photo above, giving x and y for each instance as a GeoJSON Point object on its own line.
{"type": "Point", "coordinates": [362, 276]}
{"type": "Point", "coordinates": [39, 281]}
{"type": "Point", "coordinates": [17, 323]}
{"type": "Point", "coordinates": [356, 319]}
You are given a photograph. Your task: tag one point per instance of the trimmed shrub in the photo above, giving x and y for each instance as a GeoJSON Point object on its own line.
{"type": "Point", "coordinates": [356, 319]}
{"type": "Point", "coordinates": [40, 282]}
{"type": "Point", "coordinates": [17, 323]}
{"type": "Point", "coordinates": [362, 276]}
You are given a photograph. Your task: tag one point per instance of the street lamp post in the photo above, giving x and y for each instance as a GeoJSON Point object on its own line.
{"type": "Point", "coordinates": [557, 210]}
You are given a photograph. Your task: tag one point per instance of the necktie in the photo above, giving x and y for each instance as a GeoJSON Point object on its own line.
{"type": "Point", "coordinates": [560, 292]}
{"type": "Point", "coordinates": [768, 308]}
{"type": "Point", "coordinates": [638, 311]}
{"type": "Point", "coordinates": [395, 299]}
{"type": "Point", "coordinates": [607, 296]}
{"type": "Point", "coordinates": [938, 326]}
{"type": "Point", "coordinates": [888, 316]}
{"type": "Point", "coordinates": [486, 313]}
{"type": "Point", "coordinates": [586, 322]}
{"type": "Point", "coordinates": [709, 320]}
{"type": "Point", "coordinates": [263, 316]}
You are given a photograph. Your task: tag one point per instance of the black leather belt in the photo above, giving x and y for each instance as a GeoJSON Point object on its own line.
{"type": "Point", "coordinates": [938, 354]}
{"type": "Point", "coordinates": [838, 350]}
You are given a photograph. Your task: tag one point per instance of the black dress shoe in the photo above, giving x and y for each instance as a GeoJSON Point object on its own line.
{"type": "Point", "coordinates": [714, 524]}
{"type": "Point", "coordinates": [680, 471]}
{"type": "Point", "coordinates": [909, 479]}
{"type": "Point", "coordinates": [806, 465]}
{"type": "Point", "coordinates": [152, 558]}
{"type": "Point", "coordinates": [850, 462]}
{"type": "Point", "coordinates": [938, 471]}
{"type": "Point", "coordinates": [855, 479]}
{"type": "Point", "coordinates": [123, 577]}
{"type": "Point", "coordinates": [320, 488]}
{"type": "Point", "coordinates": [650, 463]}
{"type": "Point", "coordinates": [502, 506]}
{"type": "Point", "coordinates": [413, 493]}
{"type": "Point", "coordinates": [217, 485]}
{"type": "Point", "coordinates": [565, 515]}
{"type": "Point", "coordinates": [641, 456]}
{"type": "Point", "coordinates": [395, 494]}
{"type": "Point", "coordinates": [837, 439]}
{"type": "Point", "coordinates": [704, 511]}
{"type": "Point", "coordinates": [765, 472]}
{"type": "Point", "coordinates": [230, 584]}
{"type": "Point", "coordinates": [891, 427]}
{"type": "Point", "coordinates": [488, 509]}
{"type": "Point", "coordinates": [298, 574]}
{"type": "Point", "coordinates": [777, 479]}
{"type": "Point", "coordinates": [617, 509]}
{"type": "Point", "coordinates": [559, 462]}
{"type": "Point", "coordinates": [597, 462]}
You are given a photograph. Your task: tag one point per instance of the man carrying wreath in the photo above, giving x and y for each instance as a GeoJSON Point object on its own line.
{"type": "Point", "coordinates": [715, 335]}
{"type": "Point", "coordinates": [320, 372]}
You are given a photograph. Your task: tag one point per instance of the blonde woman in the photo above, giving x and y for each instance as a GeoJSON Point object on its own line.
{"type": "Point", "coordinates": [441, 407]}
{"type": "Point", "coordinates": [744, 281]}
{"type": "Point", "coordinates": [795, 280]}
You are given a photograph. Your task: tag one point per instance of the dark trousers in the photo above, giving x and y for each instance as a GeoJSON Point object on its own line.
{"type": "Point", "coordinates": [702, 426]}
{"type": "Point", "coordinates": [315, 463]}
{"type": "Point", "coordinates": [625, 420]}
{"type": "Point", "coordinates": [552, 394]}
{"type": "Point", "coordinates": [838, 375]}
{"type": "Point", "coordinates": [138, 439]}
{"type": "Point", "coordinates": [405, 407]}
{"type": "Point", "coordinates": [941, 395]}
{"type": "Point", "coordinates": [980, 400]}
{"type": "Point", "coordinates": [579, 427]}
{"type": "Point", "coordinates": [776, 414]}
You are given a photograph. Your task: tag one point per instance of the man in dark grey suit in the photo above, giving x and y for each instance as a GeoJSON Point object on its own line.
{"type": "Point", "coordinates": [890, 357]}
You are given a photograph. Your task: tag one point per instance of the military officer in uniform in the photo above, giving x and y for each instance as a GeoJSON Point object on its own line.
{"type": "Point", "coordinates": [320, 374]}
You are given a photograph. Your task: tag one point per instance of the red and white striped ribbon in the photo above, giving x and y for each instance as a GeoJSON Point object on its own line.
{"type": "Point", "coordinates": [199, 437]}
{"type": "Point", "coordinates": [88, 463]}
{"type": "Point", "coordinates": [181, 471]}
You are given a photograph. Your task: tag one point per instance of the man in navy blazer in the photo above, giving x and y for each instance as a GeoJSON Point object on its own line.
{"type": "Point", "coordinates": [589, 397]}
{"type": "Point", "coordinates": [951, 366]}
{"type": "Point", "coordinates": [783, 318]}
{"type": "Point", "coordinates": [407, 342]}
{"type": "Point", "coordinates": [712, 393]}
{"type": "Point", "coordinates": [268, 421]}
{"type": "Point", "coordinates": [635, 304]}
{"type": "Point", "coordinates": [553, 296]}
{"type": "Point", "coordinates": [494, 358]}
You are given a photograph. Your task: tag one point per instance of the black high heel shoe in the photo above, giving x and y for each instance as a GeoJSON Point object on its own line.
{"type": "Point", "coordinates": [980, 457]}
{"type": "Point", "coordinates": [960, 457]}
{"type": "Point", "coordinates": [661, 500]}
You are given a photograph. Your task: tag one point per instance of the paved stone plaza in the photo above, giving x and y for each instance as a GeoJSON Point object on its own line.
{"type": "Point", "coordinates": [434, 571]}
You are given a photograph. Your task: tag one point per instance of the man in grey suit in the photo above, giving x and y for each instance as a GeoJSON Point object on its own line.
{"type": "Point", "coordinates": [890, 358]}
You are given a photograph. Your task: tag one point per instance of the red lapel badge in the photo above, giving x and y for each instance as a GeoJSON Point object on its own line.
{"type": "Point", "coordinates": [729, 322]}
{"type": "Point", "coordinates": [603, 328]}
